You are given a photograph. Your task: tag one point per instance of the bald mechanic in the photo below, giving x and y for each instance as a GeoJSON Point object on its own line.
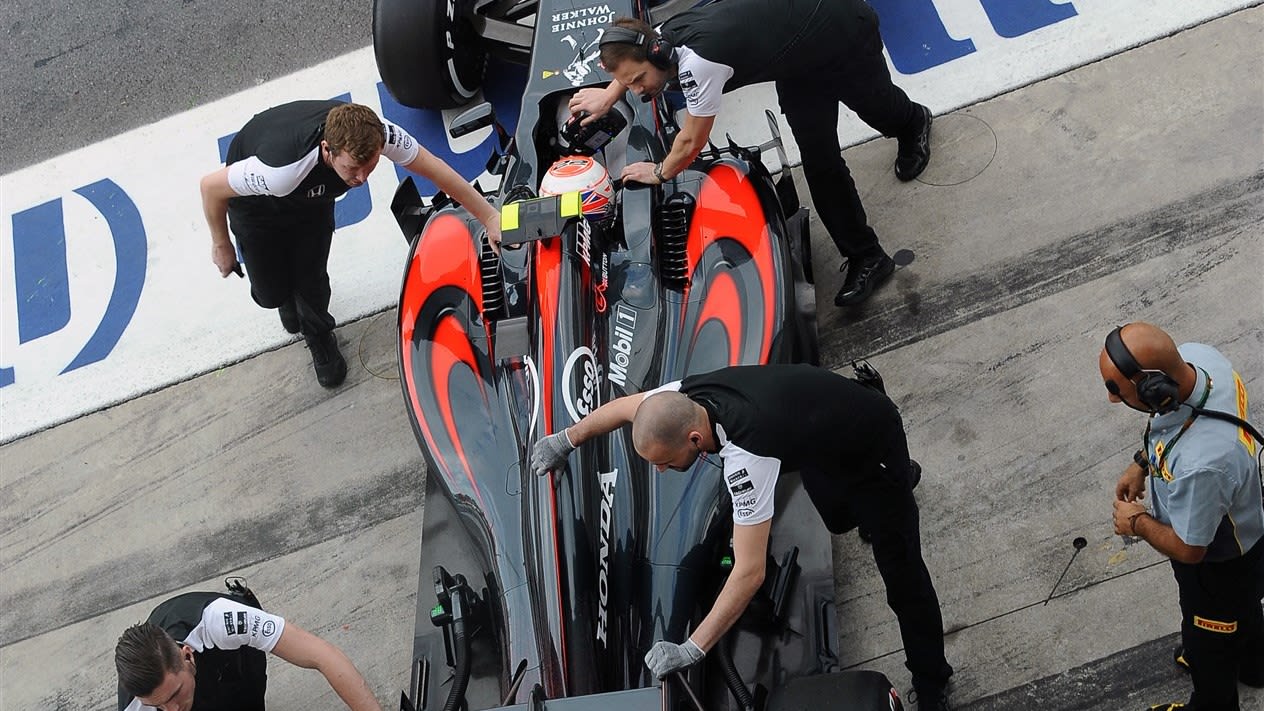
{"type": "Point", "coordinates": [205, 651]}
{"type": "Point", "coordinates": [1207, 514]}
{"type": "Point", "coordinates": [285, 168]}
{"type": "Point", "coordinates": [848, 443]}
{"type": "Point", "coordinates": [818, 53]}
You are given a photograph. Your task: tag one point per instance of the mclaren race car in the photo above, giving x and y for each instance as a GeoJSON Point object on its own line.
{"type": "Point", "coordinates": [546, 592]}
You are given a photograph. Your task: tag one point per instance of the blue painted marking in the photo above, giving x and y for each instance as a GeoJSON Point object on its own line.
{"type": "Point", "coordinates": [41, 282]}
{"type": "Point", "coordinates": [6, 377]}
{"type": "Point", "coordinates": [1015, 18]}
{"type": "Point", "coordinates": [915, 36]}
{"type": "Point", "coordinates": [131, 252]}
{"type": "Point", "coordinates": [503, 88]}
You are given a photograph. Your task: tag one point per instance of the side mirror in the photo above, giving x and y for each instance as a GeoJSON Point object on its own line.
{"type": "Point", "coordinates": [472, 119]}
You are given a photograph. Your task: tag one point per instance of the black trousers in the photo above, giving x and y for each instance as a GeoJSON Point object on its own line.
{"type": "Point", "coordinates": [1222, 627]}
{"type": "Point", "coordinates": [878, 494]}
{"type": "Point", "coordinates": [291, 263]}
{"type": "Point", "coordinates": [854, 72]}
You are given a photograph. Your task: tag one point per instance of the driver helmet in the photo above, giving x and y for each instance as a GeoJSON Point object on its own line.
{"type": "Point", "coordinates": [585, 175]}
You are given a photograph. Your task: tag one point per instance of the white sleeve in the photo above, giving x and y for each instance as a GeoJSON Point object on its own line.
{"type": "Point", "coordinates": [400, 147]}
{"type": "Point", "coordinates": [251, 176]}
{"type": "Point", "coordinates": [672, 387]}
{"type": "Point", "coordinates": [702, 82]}
{"type": "Point", "coordinates": [228, 624]}
{"type": "Point", "coordinates": [752, 482]}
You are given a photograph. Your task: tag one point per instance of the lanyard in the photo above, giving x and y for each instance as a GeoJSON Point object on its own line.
{"type": "Point", "coordinates": [1161, 451]}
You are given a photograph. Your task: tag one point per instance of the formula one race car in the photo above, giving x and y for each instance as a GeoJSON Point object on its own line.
{"type": "Point", "coordinates": [546, 592]}
{"type": "Point", "coordinates": [432, 54]}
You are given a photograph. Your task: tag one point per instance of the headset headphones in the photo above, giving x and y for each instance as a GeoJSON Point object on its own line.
{"type": "Point", "coordinates": [658, 51]}
{"type": "Point", "coordinates": [1156, 390]}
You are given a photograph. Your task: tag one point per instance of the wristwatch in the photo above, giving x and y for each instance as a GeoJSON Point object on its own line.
{"type": "Point", "coordinates": [1141, 460]}
{"type": "Point", "coordinates": [658, 172]}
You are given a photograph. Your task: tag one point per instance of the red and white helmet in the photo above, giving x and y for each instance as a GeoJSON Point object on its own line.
{"type": "Point", "coordinates": [589, 178]}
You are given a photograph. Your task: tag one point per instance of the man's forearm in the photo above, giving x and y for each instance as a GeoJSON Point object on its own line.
{"type": "Point", "coordinates": [605, 419]}
{"type": "Point", "coordinates": [1163, 539]}
{"type": "Point", "coordinates": [683, 152]}
{"type": "Point", "coordinates": [736, 594]}
{"type": "Point", "coordinates": [350, 686]}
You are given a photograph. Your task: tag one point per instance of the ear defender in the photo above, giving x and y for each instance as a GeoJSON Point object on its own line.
{"type": "Point", "coordinates": [658, 51]}
{"type": "Point", "coordinates": [1156, 390]}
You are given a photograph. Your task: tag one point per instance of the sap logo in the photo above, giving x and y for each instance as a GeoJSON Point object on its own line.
{"type": "Point", "coordinates": [41, 284]}
{"type": "Point", "coordinates": [917, 40]}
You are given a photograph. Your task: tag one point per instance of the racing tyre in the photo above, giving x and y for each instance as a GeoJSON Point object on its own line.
{"type": "Point", "coordinates": [428, 54]}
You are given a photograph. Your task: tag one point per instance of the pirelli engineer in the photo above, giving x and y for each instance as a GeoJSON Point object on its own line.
{"type": "Point", "coordinates": [848, 443]}
{"type": "Point", "coordinates": [818, 53]}
{"type": "Point", "coordinates": [1207, 514]}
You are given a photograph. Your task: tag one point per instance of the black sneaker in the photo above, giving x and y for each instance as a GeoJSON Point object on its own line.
{"type": "Point", "coordinates": [862, 278]}
{"type": "Point", "coordinates": [1178, 656]}
{"type": "Point", "coordinates": [289, 316]}
{"type": "Point", "coordinates": [328, 362]}
{"type": "Point", "coordinates": [930, 699]}
{"type": "Point", "coordinates": [914, 153]}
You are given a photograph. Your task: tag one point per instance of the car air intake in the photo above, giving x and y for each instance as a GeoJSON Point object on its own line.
{"type": "Point", "coordinates": [493, 282]}
{"type": "Point", "coordinates": [672, 229]}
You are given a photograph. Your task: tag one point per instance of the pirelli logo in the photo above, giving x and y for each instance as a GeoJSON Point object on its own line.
{"type": "Point", "coordinates": [1215, 625]}
{"type": "Point", "coordinates": [1245, 437]}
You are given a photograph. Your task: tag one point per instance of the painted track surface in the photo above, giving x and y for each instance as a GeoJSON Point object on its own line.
{"type": "Point", "coordinates": [1093, 211]}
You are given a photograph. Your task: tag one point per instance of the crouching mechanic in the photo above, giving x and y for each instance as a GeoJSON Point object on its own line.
{"type": "Point", "coordinates": [818, 54]}
{"type": "Point", "coordinates": [204, 651]}
{"type": "Point", "coordinates": [1208, 517]}
{"type": "Point", "coordinates": [285, 168]}
{"type": "Point", "coordinates": [848, 443]}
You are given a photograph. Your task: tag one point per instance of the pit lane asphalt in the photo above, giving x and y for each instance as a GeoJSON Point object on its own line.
{"type": "Point", "coordinates": [1127, 189]}
{"type": "Point", "coordinates": [76, 73]}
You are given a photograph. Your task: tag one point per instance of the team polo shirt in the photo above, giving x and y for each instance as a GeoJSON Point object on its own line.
{"type": "Point", "coordinates": [220, 630]}
{"type": "Point", "coordinates": [276, 170]}
{"type": "Point", "coordinates": [772, 417]}
{"type": "Point", "coordinates": [1206, 485]}
{"type": "Point", "coordinates": [722, 47]}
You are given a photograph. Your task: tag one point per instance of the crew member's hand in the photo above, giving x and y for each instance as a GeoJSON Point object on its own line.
{"type": "Point", "coordinates": [642, 172]}
{"type": "Point", "coordinates": [550, 453]}
{"type": "Point", "coordinates": [1131, 486]}
{"type": "Point", "coordinates": [595, 101]}
{"type": "Point", "coordinates": [493, 231]}
{"type": "Point", "coordinates": [1124, 510]}
{"type": "Point", "coordinates": [225, 258]}
{"type": "Point", "coordinates": [666, 657]}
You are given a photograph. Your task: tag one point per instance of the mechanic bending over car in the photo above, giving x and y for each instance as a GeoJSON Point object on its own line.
{"type": "Point", "coordinates": [1208, 517]}
{"type": "Point", "coordinates": [846, 440]}
{"type": "Point", "coordinates": [285, 168]}
{"type": "Point", "coordinates": [219, 662]}
{"type": "Point", "coordinates": [818, 52]}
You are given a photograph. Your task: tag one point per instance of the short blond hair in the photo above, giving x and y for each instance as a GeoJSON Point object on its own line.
{"type": "Point", "coordinates": [356, 129]}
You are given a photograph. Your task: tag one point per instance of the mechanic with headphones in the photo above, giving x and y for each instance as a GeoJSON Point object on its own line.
{"type": "Point", "coordinates": [818, 52]}
{"type": "Point", "coordinates": [207, 651]}
{"type": "Point", "coordinates": [1202, 460]}
{"type": "Point", "coordinates": [847, 441]}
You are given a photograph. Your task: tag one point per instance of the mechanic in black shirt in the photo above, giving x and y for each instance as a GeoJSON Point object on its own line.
{"type": "Point", "coordinates": [819, 52]}
{"type": "Point", "coordinates": [848, 443]}
{"type": "Point", "coordinates": [285, 168]}
{"type": "Point", "coordinates": [219, 661]}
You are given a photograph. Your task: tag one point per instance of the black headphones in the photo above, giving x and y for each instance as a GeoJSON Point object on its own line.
{"type": "Point", "coordinates": [1157, 390]}
{"type": "Point", "coordinates": [658, 51]}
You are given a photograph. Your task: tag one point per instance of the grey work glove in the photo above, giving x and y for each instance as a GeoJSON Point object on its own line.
{"type": "Point", "coordinates": [550, 453]}
{"type": "Point", "coordinates": [667, 657]}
